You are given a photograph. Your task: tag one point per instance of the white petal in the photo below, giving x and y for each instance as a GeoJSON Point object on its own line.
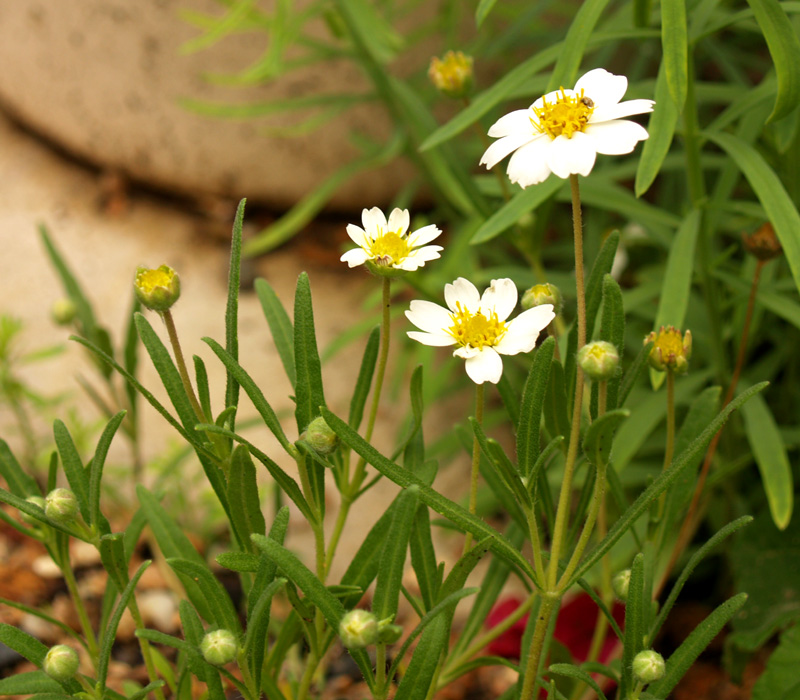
{"type": "Point", "coordinates": [374, 221]}
{"type": "Point", "coordinates": [417, 258]}
{"type": "Point", "coordinates": [462, 290]}
{"type": "Point", "coordinates": [354, 257]}
{"type": "Point", "coordinates": [603, 87]}
{"type": "Point", "coordinates": [566, 157]}
{"type": "Point", "coordinates": [435, 339]}
{"type": "Point", "coordinates": [522, 332]}
{"type": "Point", "coordinates": [512, 122]}
{"type": "Point", "coordinates": [528, 166]}
{"type": "Point", "coordinates": [398, 221]}
{"type": "Point", "coordinates": [500, 297]}
{"type": "Point", "coordinates": [428, 316]}
{"type": "Point", "coordinates": [500, 149]}
{"type": "Point", "coordinates": [615, 138]}
{"type": "Point", "coordinates": [605, 113]}
{"type": "Point", "coordinates": [466, 351]}
{"type": "Point", "coordinates": [486, 366]}
{"type": "Point", "coordinates": [423, 235]}
{"type": "Point", "coordinates": [357, 235]}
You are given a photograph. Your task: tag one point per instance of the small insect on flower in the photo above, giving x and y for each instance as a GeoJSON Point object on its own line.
{"type": "Point", "coordinates": [386, 247]}
{"type": "Point", "coordinates": [477, 325]}
{"type": "Point", "coordinates": [563, 131]}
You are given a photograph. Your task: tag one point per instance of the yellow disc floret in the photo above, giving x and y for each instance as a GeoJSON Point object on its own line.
{"type": "Point", "coordinates": [157, 289]}
{"type": "Point", "coordinates": [474, 329]}
{"type": "Point", "coordinates": [389, 248]}
{"type": "Point", "coordinates": [670, 350]}
{"type": "Point", "coordinates": [565, 116]}
{"type": "Point", "coordinates": [148, 280]}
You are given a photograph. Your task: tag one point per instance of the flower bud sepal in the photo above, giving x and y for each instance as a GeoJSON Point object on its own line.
{"type": "Point", "coordinates": [380, 269]}
{"type": "Point", "coordinates": [387, 632]}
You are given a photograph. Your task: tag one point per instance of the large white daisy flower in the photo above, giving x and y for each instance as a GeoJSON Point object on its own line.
{"type": "Point", "coordinates": [563, 131]}
{"type": "Point", "coordinates": [387, 244]}
{"type": "Point", "coordinates": [477, 325]}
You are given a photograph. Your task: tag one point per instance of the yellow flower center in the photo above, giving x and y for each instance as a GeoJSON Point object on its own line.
{"type": "Point", "coordinates": [148, 280]}
{"type": "Point", "coordinates": [670, 343]}
{"type": "Point", "coordinates": [476, 330]}
{"type": "Point", "coordinates": [389, 248]}
{"type": "Point", "coordinates": [568, 114]}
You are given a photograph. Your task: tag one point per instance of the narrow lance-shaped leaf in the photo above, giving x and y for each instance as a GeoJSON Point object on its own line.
{"type": "Point", "coordinates": [245, 508]}
{"type": "Point", "coordinates": [73, 467]}
{"type": "Point", "coordinates": [533, 396]}
{"type": "Point", "coordinates": [634, 623]}
{"type": "Point", "coordinates": [308, 390]}
{"type": "Point", "coordinates": [223, 614]}
{"type": "Point", "coordinates": [280, 325]}
{"type": "Point", "coordinates": [674, 42]}
{"type": "Point", "coordinates": [98, 461]}
{"type": "Point", "coordinates": [232, 308]}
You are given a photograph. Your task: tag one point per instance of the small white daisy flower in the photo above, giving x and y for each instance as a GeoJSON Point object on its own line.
{"type": "Point", "coordinates": [387, 245]}
{"type": "Point", "coordinates": [477, 325]}
{"type": "Point", "coordinates": [562, 132]}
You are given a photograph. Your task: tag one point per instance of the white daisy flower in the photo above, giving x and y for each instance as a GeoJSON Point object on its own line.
{"type": "Point", "coordinates": [387, 245]}
{"type": "Point", "coordinates": [562, 132]}
{"type": "Point", "coordinates": [477, 325]}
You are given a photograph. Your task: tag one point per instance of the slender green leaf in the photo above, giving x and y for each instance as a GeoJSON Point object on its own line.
{"type": "Point", "coordinates": [570, 671]}
{"type": "Point", "coordinates": [364, 381]}
{"type": "Point", "coordinates": [267, 569]}
{"type": "Point", "coordinates": [634, 624]}
{"type": "Point", "coordinates": [252, 390]}
{"type": "Point", "coordinates": [594, 285]}
{"type": "Point", "coordinates": [36, 512]}
{"type": "Point", "coordinates": [663, 481]}
{"type": "Point", "coordinates": [779, 680]}
{"type": "Point", "coordinates": [612, 330]}
{"type": "Point", "coordinates": [201, 382]}
{"type": "Point", "coordinates": [98, 461]}
{"type": "Point", "coordinates": [500, 462]}
{"type": "Point", "coordinates": [483, 10]}
{"type": "Point", "coordinates": [691, 565]}
{"type": "Point", "coordinates": [533, 396]}
{"type": "Point", "coordinates": [308, 390]}
{"type": "Point", "coordinates": [519, 205]}
{"type": "Point", "coordinates": [436, 501]}
{"type": "Point", "coordinates": [685, 655]}
{"type": "Point", "coordinates": [423, 557]}
{"type": "Point", "coordinates": [173, 544]}
{"type": "Point", "coordinates": [110, 632]}
{"type": "Point", "coordinates": [773, 462]}
{"type": "Point", "coordinates": [674, 43]}
{"type": "Point", "coordinates": [575, 43]}
{"type": "Point", "coordinates": [600, 435]}
{"type": "Point", "coordinates": [255, 641]}
{"type": "Point", "coordinates": [393, 557]}
{"type": "Point", "coordinates": [417, 679]}
{"type": "Point", "coordinates": [630, 377]}
{"type": "Point", "coordinates": [19, 483]}
{"type": "Point", "coordinates": [23, 643]}
{"type": "Point", "coordinates": [44, 616]}
{"type": "Point", "coordinates": [770, 192]}
{"type": "Point", "coordinates": [29, 682]}
{"type": "Point", "coordinates": [112, 554]}
{"type": "Point", "coordinates": [244, 562]}
{"type": "Point", "coordinates": [246, 516]}
{"type": "Point", "coordinates": [280, 325]}
{"type": "Point", "coordinates": [784, 48]}
{"type": "Point", "coordinates": [662, 125]}
{"type": "Point", "coordinates": [73, 467]}
{"type": "Point", "coordinates": [232, 308]}
{"type": "Point", "coordinates": [223, 614]}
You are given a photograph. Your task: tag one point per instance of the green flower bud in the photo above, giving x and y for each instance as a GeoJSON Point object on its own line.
{"type": "Point", "coordinates": [670, 351]}
{"type": "Point", "coordinates": [63, 311]}
{"type": "Point", "coordinates": [387, 632]}
{"type": "Point", "coordinates": [37, 501]}
{"type": "Point", "coordinates": [542, 294]}
{"type": "Point", "coordinates": [452, 75]}
{"type": "Point", "coordinates": [358, 629]}
{"type": "Point", "coordinates": [648, 666]}
{"type": "Point", "coordinates": [599, 360]}
{"type": "Point", "coordinates": [621, 583]}
{"type": "Point", "coordinates": [61, 505]}
{"type": "Point", "coordinates": [157, 289]}
{"type": "Point", "coordinates": [61, 662]}
{"type": "Point", "coordinates": [321, 438]}
{"type": "Point", "coordinates": [219, 647]}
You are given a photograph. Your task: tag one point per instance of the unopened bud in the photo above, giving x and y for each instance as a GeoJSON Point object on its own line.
{"type": "Point", "coordinates": [599, 360]}
{"type": "Point", "coordinates": [452, 75]}
{"type": "Point", "coordinates": [61, 662]}
{"type": "Point", "coordinates": [541, 294]}
{"type": "Point", "coordinates": [387, 632]}
{"type": "Point", "coordinates": [157, 289]}
{"type": "Point", "coordinates": [670, 351]}
{"type": "Point", "coordinates": [648, 666]}
{"type": "Point", "coordinates": [762, 243]}
{"type": "Point", "coordinates": [319, 435]}
{"type": "Point", "coordinates": [37, 501]}
{"type": "Point", "coordinates": [621, 583]}
{"type": "Point", "coordinates": [63, 311]}
{"type": "Point", "coordinates": [358, 629]}
{"type": "Point", "coordinates": [61, 505]}
{"type": "Point", "coordinates": [219, 647]}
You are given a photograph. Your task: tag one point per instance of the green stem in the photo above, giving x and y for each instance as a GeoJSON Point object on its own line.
{"type": "Point", "coordinates": [476, 462]}
{"type": "Point", "coordinates": [179, 361]}
{"type": "Point", "coordinates": [577, 408]}
{"type": "Point", "coordinates": [308, 675]}
{"type": "Point", "coordinates": [144, 645]}
{"type": "Point", "coordinates": [348, 493]}
{"type": "Point", "coordinates": [72, 585]}
{"type": "Point", "coordinates": [669, 449]}
{"type": "Point", "coordinates": [247, 677]}
{"type": "Point", "coordinates": [548, 604]}
{"type": "Point", "coordinates": [380, 671]}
